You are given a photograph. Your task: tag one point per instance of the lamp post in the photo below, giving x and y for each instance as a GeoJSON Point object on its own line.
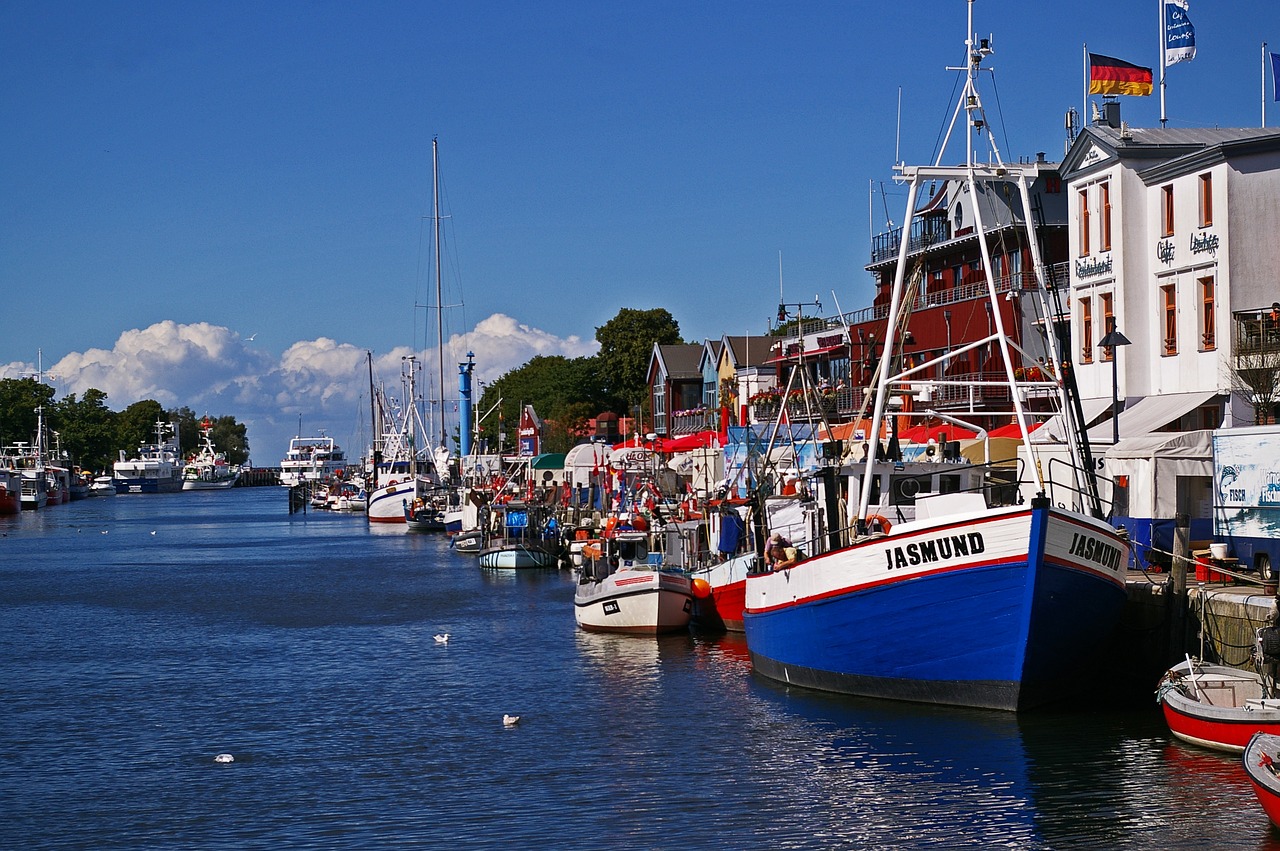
{"type": "Point", "coordinates": [1113, 340]}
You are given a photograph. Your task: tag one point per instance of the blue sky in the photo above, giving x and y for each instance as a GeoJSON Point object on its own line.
{"type": "Point", "coordinates": [224, 205]}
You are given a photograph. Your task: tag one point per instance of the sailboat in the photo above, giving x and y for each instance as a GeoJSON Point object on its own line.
{"type": "Point", "coordinates": [403, 472]}
{"type": "Point", "coordinates": [436, 508]}
{"type": "Point", "coordinates": [978, 596]}
{"type": "Point", "coordinates": [408, 484]}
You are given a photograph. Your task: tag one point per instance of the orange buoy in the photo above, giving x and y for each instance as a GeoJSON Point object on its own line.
{"type": "Point", "coordinates": [880, 522]}
{"type": "Point", "coordinates": [701, 589]}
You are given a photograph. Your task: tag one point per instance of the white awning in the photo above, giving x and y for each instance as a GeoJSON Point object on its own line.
{"type": "Point", "coordinates": [1168, 444]}
{"type": "Point", "coordinates": [1149, 414]}
{"type": "Point", "coordinates": [1053, 430]}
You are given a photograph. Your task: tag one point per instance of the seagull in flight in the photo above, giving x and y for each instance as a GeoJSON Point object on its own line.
{"type": "Point", "coordinates": [251, 338]}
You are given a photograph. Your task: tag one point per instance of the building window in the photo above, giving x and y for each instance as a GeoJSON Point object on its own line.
{"type": "Point", "coordinates": [1206, 200]}
{"type": "Point", "coordinates": [1207, 317]}
{"type": "Point", "coordinates": [1084, 222]}
{"type": "Point", "coordinates": [1166, 207]}
{"type": "Point", "coordinates": [1104, 207]}
{"type": "Point", "coordinates": [1169, 310]}
{"type": "Point", "coordinates": [1086, 330]}
{"type": "Point", "coordinates": [1107, 304]}
{"type": "Point", "coordinates": [660, 407]}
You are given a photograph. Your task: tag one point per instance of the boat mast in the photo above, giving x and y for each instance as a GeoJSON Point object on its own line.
{"type": "Point", "coordinates": [435, 169]}
{"type": "Point", "coordinates": [970, 175]}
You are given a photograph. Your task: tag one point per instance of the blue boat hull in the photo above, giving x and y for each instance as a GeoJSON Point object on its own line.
{"type": "Point", "coordinates": [148, 485]}
{"type": "Point", "coordinates": [993, 630]}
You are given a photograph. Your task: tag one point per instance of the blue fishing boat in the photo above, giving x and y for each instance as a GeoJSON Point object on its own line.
{"type": "Point", "coordinates": [936, 578]}
{"type": "Point", "coordinates": [157, 468]}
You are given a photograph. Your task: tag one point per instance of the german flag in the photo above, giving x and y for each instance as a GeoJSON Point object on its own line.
{"type": "Point", "coordinates": [1108, 76]}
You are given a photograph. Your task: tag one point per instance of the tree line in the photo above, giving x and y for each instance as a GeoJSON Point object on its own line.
{"type": "Point", "coordinates": [568, 392]}
{"type": "Point", "coordinates": [93, 435]}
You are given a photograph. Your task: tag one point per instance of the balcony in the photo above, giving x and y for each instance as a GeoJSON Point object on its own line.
{"type": "Point", "coordinates": [768, 406]}
{"type": "Point", "coordinates": [1257, 333]}
{"type": "Point", "coordinates": [925, 231]}
{"type": "Point", "coordinates": [689, 422]}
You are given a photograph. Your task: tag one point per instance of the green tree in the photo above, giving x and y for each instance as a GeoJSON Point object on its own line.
{"type": "Point", "coordinates": [19, 399]}
{"type": "Point", "coordinates": [626, 345]}
{"type": "Point", "coordinates": [87, 429]}
{"type": "Point", "coordinates": [188, 430]}
{"type": "Point", "coordinates": [230, 437]}
{"type": "Point", "coordinates": [560, 389]}
{"type": "Point", "coordinates": [136, 425]}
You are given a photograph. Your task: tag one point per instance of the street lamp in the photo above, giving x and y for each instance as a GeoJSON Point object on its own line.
{"type": "Point", "coordinates": [1113, 340]}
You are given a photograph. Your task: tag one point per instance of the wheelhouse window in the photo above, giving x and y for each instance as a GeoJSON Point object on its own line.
{"type": "Point", "coordinates": [1084, 222]}
{"type": "Point", "coordinates": [1107, 302]}
{"type": "Point", "coordinates": [1086, 330]}
{"type": "Point", "coordinates": [1166, 208]}
{"type": "Point", "coordinates": [1169, 313]}
{"type": "Point", "coordinates": [1206, 200]}
{"type": "Point", "coordinates": [1104, 206]}
{"type": "Point", "coordinates": [1208, 317]}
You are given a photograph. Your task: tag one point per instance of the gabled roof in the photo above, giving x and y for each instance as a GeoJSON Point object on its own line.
{"type": "Point", "coordinates": [1157, 153]}
{"type": "Point", "coordinates": [749, 351]}
{"type": "Point", "coordinates": [710, 353]}
{"type": "Point", "coordinates": [677, 362]}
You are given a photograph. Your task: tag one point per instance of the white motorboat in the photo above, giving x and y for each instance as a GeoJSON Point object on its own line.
{"type": "Point", "coordinates": [311, 460]}
{"type": "Point", "coordinates": [619, 590]}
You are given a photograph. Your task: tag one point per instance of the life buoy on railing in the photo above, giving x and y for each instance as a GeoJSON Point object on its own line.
{"type": "Point", "coordinates": [393, 483]}
{"type": "Point", "coordinates": [880, 522]}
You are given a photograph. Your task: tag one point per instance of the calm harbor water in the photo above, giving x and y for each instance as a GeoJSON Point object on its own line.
{"type": "Point", "coordinates": [140, 636]}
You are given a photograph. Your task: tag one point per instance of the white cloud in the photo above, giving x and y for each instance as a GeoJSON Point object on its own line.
{"type": "Point", "coordinates": [211, 368]}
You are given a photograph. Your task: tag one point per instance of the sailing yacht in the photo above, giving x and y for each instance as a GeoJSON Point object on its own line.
{"type": "Point", "coordinates": [978, 596]}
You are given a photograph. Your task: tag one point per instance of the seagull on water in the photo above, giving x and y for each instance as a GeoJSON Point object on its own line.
{"type": "Point", "coordinates": [442, 638]}
{"type": "Point", "coordinates": [153, 531]}
{"type": "Point", "coordinates": [224, 757]}
{"type": "Point", "coordinates": [510, 720]}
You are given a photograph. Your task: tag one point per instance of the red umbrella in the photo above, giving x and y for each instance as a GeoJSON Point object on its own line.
{"type": "Point", "coordinates": [939, 433]}
{"type": "Point", "coordinates": [1011, 430]}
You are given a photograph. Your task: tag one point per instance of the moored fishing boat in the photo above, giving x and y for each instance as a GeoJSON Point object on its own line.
{"type": "Point", "coordinates": [973, 595]}
{"type": "Point", "coordinates": [1261, 760]}
{"type": "Point", "coordinates": [310, 461]}
{"type": "Point", "coordinates": [521, 536]}
{"type": "Point", "coordinates": [619, 590]}
{"type": "Point", "coordinates": [721, 592]}
{"type": "Point", "coordinates": [157, 468]}
{"type": "Point", "coordinates": [10, 492]}
{"type": "Point", "coordinates": [208, 468]}
{"type": "Point", "coordinates": [1216, 706]}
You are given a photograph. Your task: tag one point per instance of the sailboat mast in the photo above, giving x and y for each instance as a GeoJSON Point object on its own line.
{"type": "Point", "coordinates": [435, 168]}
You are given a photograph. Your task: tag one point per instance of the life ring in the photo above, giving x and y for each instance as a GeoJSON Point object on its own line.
{"type": "Point", "coordinates": [880, 522]}
{"type": "Point", "coordinates": [393, 483]}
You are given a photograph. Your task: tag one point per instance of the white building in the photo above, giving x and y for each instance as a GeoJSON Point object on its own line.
{"type": "Point", "coordinates": [1175, 235]}
{"type": "Point", "coordinates": [1175, 242]}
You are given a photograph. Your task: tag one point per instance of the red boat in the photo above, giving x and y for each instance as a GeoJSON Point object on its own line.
{"type": "Point", "coordinates": [1262, 764]}
{"type": "Point", "coordinates": [1215, 706]}
{"type": "Point", "coordinates": [10, 492]}
{"type": "Point", "coordinates": [720, 593]}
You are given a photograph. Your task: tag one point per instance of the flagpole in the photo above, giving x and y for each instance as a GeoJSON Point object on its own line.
{"type": "Point", "coordinates": [1160, 15]}
{"type": "Point", "coordinates": [1264, 84]}
{"type": "Point", "coordinates": [1084, 102]}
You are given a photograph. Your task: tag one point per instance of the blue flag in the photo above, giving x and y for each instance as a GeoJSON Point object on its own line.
{"type": "Point", "coordinates": [1275, 76]}
{"type": "Point", "coordinates": [1179, 35]}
